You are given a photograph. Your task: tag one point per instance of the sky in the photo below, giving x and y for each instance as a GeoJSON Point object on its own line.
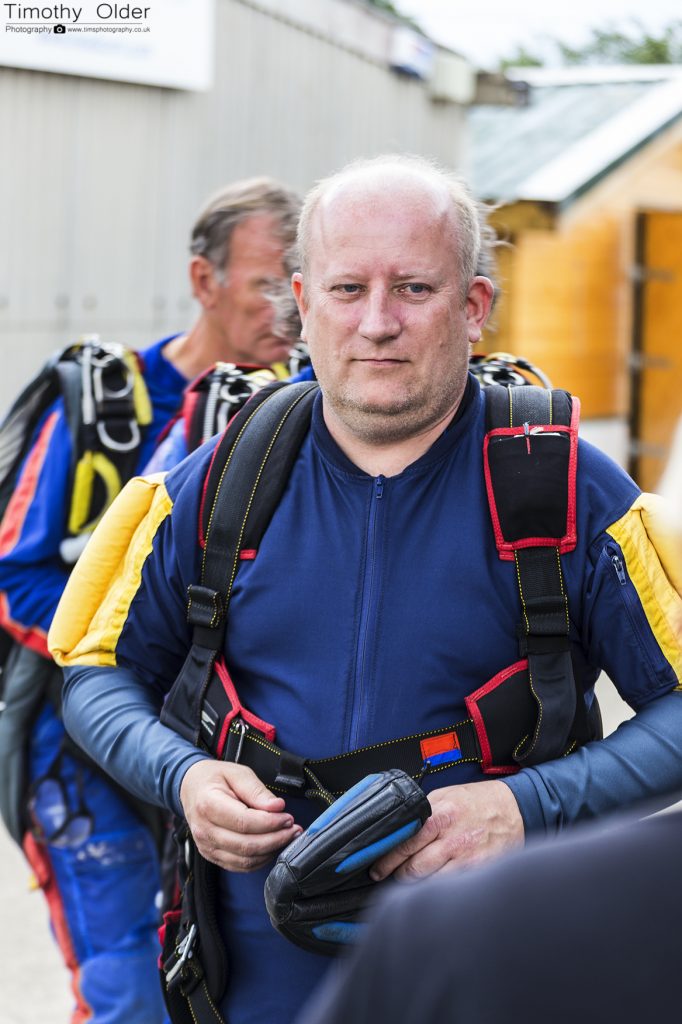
{"type": "Point", "coordinates": [486, 30]}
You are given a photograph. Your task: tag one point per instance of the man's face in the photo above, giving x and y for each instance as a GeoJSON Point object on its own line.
{"type": "Point", "coordinates": [243, 314]}
{"type": "Point", "coordinates": [383, 309]}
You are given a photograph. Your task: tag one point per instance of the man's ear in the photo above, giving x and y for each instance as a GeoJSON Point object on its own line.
{"type": "Point", "coordinates": [299, 294]}
{"type": "Point", "coordinates": [478, 305]}
{"type": "Point", "coordinates": [204, 281]}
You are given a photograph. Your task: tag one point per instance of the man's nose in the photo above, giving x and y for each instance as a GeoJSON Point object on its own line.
{"type": "Point", "coordinates": [378, 321]}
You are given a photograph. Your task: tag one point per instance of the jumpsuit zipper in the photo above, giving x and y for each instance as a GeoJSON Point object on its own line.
{"type": "Point", "coordinates": [367, 608]}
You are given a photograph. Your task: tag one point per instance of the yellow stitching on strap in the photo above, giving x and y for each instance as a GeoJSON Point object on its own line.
{"type": "Point", "coordinates": [563, 592]}
{"type": "Point", "coordinates": [518, 578]}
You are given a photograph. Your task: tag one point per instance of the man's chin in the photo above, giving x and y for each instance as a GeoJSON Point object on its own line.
{"type": "Point", "coordinates": [378, 422]}
{"type": "Point", "coordinates": [382, 406]}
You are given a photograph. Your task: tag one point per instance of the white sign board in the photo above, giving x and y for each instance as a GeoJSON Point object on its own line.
{"type": "Point", "coordinates": [165, 42]}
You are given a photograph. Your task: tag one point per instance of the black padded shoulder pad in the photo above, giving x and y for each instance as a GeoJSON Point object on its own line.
{"type": "Point", "coordinates": [530, 459]}
{"type": "Point", "coordinates": [249, 472]}
{"type": "Point", "coordinates": [512, 407]}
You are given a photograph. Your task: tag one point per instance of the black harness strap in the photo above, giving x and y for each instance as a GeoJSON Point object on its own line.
{"type": "Point", "coordinates": [277, 420]}
{"type": "Point", "coordinates": [234, 520]}
{"type": "Point", "coordinates": [194, 967]}
{"type": "Point", "coordinates": [530, 470]}
{"type": "Point", "coordinates": [327, 778]}
{"type": "Point", "coordinates": [193, 957]}
{"type": "Point", "coordinates": [550, 670]}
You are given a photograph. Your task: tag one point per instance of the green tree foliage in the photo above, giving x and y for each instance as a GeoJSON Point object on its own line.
{"type": "Point", "coordinates": [523, 58]}
{"type": "Point", "coordinates": [390, 8]}
{"type": "Point", "coordinates": [385, 5]}
{"type": "Point", "coordinates": [630, 44]}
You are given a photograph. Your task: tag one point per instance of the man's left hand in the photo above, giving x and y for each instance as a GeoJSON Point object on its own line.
{"type": "Point", "coordinates": [470, 823]}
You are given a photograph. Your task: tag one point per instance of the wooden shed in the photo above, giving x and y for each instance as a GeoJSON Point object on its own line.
{"type": "Point", "coordinates": [587, 175]}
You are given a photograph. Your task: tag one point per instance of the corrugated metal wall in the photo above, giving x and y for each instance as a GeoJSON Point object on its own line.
{"type": "Point", "coordinates": [100, 181]}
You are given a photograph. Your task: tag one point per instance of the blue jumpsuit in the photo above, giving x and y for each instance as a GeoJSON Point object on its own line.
{"type": "Point", "coordinates": [101, 893]}
{"type": "Point", "coordinates": [372, 608]}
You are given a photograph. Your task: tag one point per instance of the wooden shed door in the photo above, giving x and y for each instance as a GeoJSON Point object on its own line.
{"type": "Point", "coordinates": [656, 395]}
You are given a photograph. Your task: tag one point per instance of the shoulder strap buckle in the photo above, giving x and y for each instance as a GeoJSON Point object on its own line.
{"type": "Point", "coordinates": [183, 953]}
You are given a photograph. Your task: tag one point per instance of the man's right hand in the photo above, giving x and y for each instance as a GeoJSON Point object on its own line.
{"type": "Point", "coordinates": [236, 822]}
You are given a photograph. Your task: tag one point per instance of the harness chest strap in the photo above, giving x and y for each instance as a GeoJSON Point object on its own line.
{"type": "Point", "coordinates": [502, 713]}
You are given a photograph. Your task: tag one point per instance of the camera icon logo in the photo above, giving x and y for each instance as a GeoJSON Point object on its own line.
{"type": "Point", "coordinates": [59, 30]}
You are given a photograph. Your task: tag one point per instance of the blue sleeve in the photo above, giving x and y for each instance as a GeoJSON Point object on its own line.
{"type": "Point", "coordinates": [115, 718]}
{"type": "Point", "coordinates": [32, 573]}
{"type": "Point", "coordinates": [156, 634]}
{"type": "Point", "coordinates": [641, 762]}
{"type": "Point", "coordinates": [171, 451]}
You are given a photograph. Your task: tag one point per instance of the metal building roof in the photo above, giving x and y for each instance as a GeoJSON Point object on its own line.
{"type": "Point", "coordinates": [579, 124]}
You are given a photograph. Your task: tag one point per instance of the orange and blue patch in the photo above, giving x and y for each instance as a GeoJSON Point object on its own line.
{"type": "Point", "coordinates": [441, 749]}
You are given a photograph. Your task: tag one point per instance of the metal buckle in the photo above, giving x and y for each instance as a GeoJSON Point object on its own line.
{"type": "Point", "coordinates": [101, 389]}
{"type": "Point", "coordinates": [95, 392]}
{"type": "Point", "coordinates": [119, 446]}
{"type": "Point", "coordinates": [87, 400]}
{"type": "Point", "coordinates": [228, 390]}
{"type": "Point", "coordinates": [123, 396]}
{"type": "Point", "coordinates": [185, 951]}
{"type": "Point", "coordinates": [243, 728]}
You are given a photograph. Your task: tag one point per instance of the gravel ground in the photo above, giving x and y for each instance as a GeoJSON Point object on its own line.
{"type": "Point", "coordinates": [35, 986]}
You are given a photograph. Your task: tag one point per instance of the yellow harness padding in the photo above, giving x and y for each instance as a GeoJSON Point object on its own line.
{"type": "Point", "coordinates": [653, 555]}
{"type": "Point", "coordinates": [97, 598]}
{"type": "Point", "coordinates": [91, 464]}
{"type": "Point", "coordinates": [281, 371]}
{"type": "Point", "coordinates": [141, 400]}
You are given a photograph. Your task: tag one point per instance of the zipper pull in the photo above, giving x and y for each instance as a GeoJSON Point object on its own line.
{"type": "Point", "coordinates": [379, 487]}
{"type": "Point", "coordinates": [526, 430]}
{"type": "Point", "coordinates": [620, 569]}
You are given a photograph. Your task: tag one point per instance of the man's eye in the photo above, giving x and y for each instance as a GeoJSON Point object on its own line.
{"type": "Point", "coordinates": [415, 288]}
{"type": "Point", "coordinates": [347, 289]}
